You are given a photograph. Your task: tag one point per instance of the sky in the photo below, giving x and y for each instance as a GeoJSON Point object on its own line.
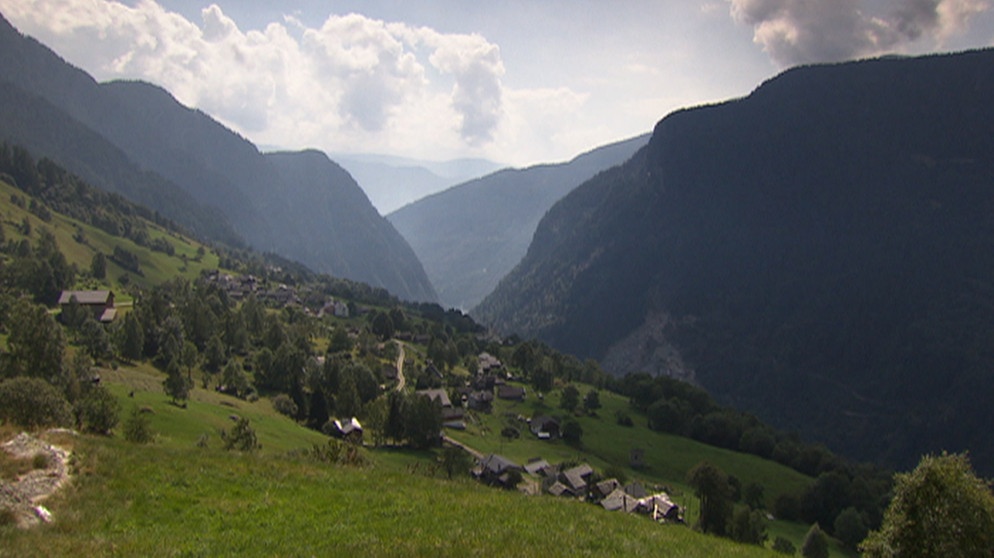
{"type": "Point", "coordinates": [517, 82]}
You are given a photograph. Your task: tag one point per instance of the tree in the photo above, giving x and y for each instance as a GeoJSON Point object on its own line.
{"type": "Point", "coordinates": [284, 405]}
{"type": "Point", "coordinates": [570, 398]}
{"type": "Point", "coordinates": [423, 422]}
{"type": "Point", "coordinates": [541, 379]}
{"type": "Point", "coordinates": [176, 385]}
{"type": "Point", "coordinates": [93, 337]}
{"type": "Point", "coordinates": [850, 527]}
{"type": "Point", "coordinates": [939, 509]}
{"type": "Point", "coordinates": [130, 338]}
{"type": "Point", "coordinates": [33, 402]}
{"type": "Point", "coordinates": [592, 401]}
{"type": "Point", "coordinates": [815, 543]}
{"type": "Point", "coordinates": [454, 459]}
{"type": "Point", "coordinates": [242, 437]}
{"type": "Point", "coordinates": [234, 380]}
{"type": "Point", "coordinates": [99, 411]}
{"type": "Point", "coordinates": [784, 546]}
{"type": "Point", "coordinates": [711, 487]}
{"type": "Point", "coordinates": [572, 432]}
{"type": "Point", "coordinates": [137, 427]}
{"type": "Point", "coordinates": [748, 526]}
{"type": "Point", "coordinates": [36, 346]}
{"type": "Point", "coordinates": [98, 266]}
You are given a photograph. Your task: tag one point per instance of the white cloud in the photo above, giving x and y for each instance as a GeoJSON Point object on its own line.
{"type": "Point", "coordinates": [351, 84]}
{"type": "Point", "coordinates": [806, 31]}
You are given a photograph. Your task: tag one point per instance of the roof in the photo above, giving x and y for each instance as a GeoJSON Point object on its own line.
{"type": "Point", "coordinates": [87, 297]}
{"type": "Point", "coordinates": [608, 486]}
{"type": "Point", "coordinates": [349, 426]}
{"type": "Point", "coordinates": [497, 464]}
{"type": "Point", "coordinates": [582, 470]}
{"type": "Point", "coordinates": [618, 500]}
{"type": "Point", "coordinates": [542, 424]}
{"type": "Point", "coordinates": [537, 466]}
{"type": "Point", "coordinates": [636, 489]}
{"type": "Point", "coordinates": [440, 394]}
{"type": "Point", "coordinates": [559, 489]}
{"type": "Point", "coordinates": [510, 392]}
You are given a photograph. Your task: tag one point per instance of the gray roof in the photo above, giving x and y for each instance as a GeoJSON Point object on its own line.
{"type": "Point", "coordinates": [497, 464]}
{"type": "Point", "coordinates": [86, 297]}
{"type": "Point", "coordinates": [440, 394]}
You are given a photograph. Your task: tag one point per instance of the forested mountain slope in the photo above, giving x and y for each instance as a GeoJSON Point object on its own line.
{"type": "Point", "coordinates": [210, 163]}
{"type": "Point", "coordinates": [820, 253]}
{"type": "Point", "coordinates": [471, 235]}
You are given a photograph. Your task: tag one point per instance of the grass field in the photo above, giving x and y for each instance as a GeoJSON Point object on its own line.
{"type": "Point", "coordinates": [172, 498]}
{"type": "Point", "coordinates": [156, 267]}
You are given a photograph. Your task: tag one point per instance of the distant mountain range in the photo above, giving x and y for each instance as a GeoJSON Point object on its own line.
{"type": "Point", "coordinates": [471, 235]}
{"type": "Point", "coordinates": [135, 139]}
{"type": "Point", "coordinates": [393, 182]}
{"type": "Point", "coordinates": [820, 253]}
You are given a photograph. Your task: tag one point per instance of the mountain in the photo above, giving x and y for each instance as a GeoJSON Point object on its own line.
{"type": "Point", "coordinates": [393, 182]}
{"type": "Point", "coordinates": [469, 236]}
{"type": "Point", "coordinates": [145, 129]}
{"type": "Point", "coordinates": [820, 253]}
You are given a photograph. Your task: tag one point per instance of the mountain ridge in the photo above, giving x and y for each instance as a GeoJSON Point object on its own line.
{"type": "Point", "coordinates": [815, 252]}
{"type": "Point", "coordinates": [213, 165]}
{"type": "Point", "coordinates": [470, 235]}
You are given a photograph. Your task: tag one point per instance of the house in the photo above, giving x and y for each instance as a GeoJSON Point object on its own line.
{"type": "Point", "coordinates": [349, 430]}
{"type": "Point", "coordinates": [636, 489]}
{"type": "Point", "coordinates": [577, 478]}
{"type": "Point", "coordinates": [539, 466]}
{"type": "Point", "coordinates": [488, 363]}
{"type": "Point", "coordinates": [660, 508]}
{"type": "Point", "coordinates": [559, 489]}
{"type": "Point", "coordinates": [545, 427]}
{"type": "Point", "coordinates": [602, 489]}
{"type": "Point", "coordinates": [480, 400]}
{"type": "Point", "coordinates": [618, 500]}
{"type": "Point", "coordinates": [99, 303]}
{"type": "Point", "coordinates": [511, 393]}
{"type": "Point", "coordinates": [439, 395]}
{"type": "Point", "coordinates": [496, 469]}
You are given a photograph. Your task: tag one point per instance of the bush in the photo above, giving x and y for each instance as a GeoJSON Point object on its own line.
{"type": "Point", "coordinates": [7, 517]}
{"type": "Point", "coordinates": [99, 411]}
{"type": "Point", "coordinates": [241, 438]}
{"type": "Point", "coordinates": [33, 402]}
{"type": "Point", "coordinates": [783, 546]}
{"type": "Point", "coordinates": [137, 428]}
{"type": "Point", "coordinates": [40, 460]}
{"type": "Point", "coordinates": [284, 405]}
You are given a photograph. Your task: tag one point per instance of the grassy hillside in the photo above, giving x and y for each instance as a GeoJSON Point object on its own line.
{"type": "Point", "coordinates": [79, 242]}
{"type": "Point", "coordinates": [173, 498]}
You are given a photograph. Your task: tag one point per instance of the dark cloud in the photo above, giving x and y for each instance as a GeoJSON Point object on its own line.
{"type": "Point", "coordinates": [807, 31]}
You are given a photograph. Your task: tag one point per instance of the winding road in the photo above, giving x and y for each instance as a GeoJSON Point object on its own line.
{"type": "Point", "coordinates": [401, 381]}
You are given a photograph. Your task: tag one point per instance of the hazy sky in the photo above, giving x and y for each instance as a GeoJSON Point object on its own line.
{"type": "Point", "coordinates": [515, 81]}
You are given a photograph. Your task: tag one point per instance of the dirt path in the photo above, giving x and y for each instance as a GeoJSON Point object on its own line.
{"type": "Point", "coordinates": [401, 381]}
{"type": "Point", "coordinates": [24, 495]}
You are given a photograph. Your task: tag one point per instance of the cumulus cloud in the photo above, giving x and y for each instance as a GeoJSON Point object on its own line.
{"type": "Point", "coordinates": [806, 31]}
{"type": "Point", "coordinates": [350, 84]}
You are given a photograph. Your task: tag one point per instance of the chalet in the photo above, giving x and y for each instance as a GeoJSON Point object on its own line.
{"type": "Point", "coordinates": [539, 466]}
{"type": "Point", "coordinates": [618, 500]}
{"type": "Point", "coordinates": [439, 395]}
{"type": "Point", "coordinates": [545, 427]}
{"type": "Point", "coordinates": [99, 303]}
{"type": "Point", "coordinates": [480, 400]}
{"type": "Point", "coordinates": [496, 469]}
{"type": "Point", "coordinates": [602, 489]}
{"type": "Point", "coordinates": [511, 393]}
{"type": "Point", "coordinates": [577, 478]}
{"type": "Point", "coordinates": [488, 363]}
{"type": "Point", "coordinates": [559, 489]}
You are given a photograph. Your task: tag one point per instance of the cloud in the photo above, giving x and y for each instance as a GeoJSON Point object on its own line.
{"type": "Point", "coordinates": [349, 84]}
{"type": "Point", "coordinates": [808, 31]}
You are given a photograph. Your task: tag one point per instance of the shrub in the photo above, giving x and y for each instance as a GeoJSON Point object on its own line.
{"type": "Point", "coordinates": [284, 405]}
{"type": "Point", "coordinates": [33, 402]}
{"type": "Point", "coordinates": [137, 428]}
{"type": "Point", "coordinates": [783, 546]}
{"type": "Point", "coordinates": [99, 411]}
{"type": "Point", "coordinates": [241, 438]}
